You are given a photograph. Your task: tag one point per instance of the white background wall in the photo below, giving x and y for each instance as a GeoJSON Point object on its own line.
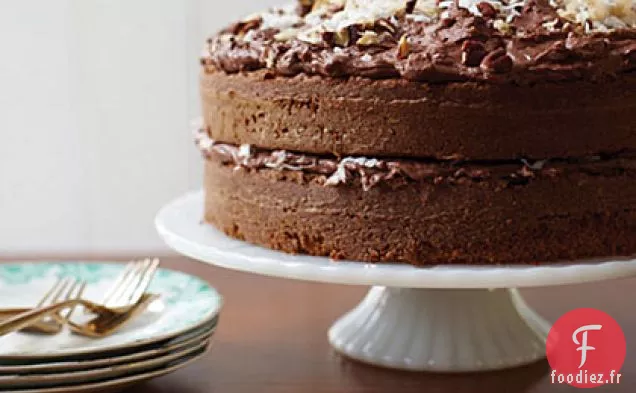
{"type": "Point", "coordinates": [96, 97]}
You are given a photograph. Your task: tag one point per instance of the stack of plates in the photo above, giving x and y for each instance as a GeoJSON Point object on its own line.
{"type": "Point", "coordinates": [175, 331]}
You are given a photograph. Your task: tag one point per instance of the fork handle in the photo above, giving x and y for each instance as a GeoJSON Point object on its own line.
{"type": "Point", "coordinates": [12, 312]}
{"type": "Point", "coordinates": [28, 318]}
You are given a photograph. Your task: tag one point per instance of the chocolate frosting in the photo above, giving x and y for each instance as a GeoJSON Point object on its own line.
{"type": "Point", "coordinates": [519, 41]}
{"type": "Point", "coordinates": [371, 171]}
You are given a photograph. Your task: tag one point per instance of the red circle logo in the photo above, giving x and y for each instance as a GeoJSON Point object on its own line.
{"type": "Point", "coordinates": [586, 348]}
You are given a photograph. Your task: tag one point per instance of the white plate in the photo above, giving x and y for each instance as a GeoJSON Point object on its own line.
{"type": "Point", "coordinates": [99, 374]}
{"type": "Point", "coordinates": [187, 303]}
{"type": "Point", "coordinates": [79, 365]}
{"type": "Point", "coordinates": [180, 225]}
{"type": "Point", "coordinates": [119, 384]}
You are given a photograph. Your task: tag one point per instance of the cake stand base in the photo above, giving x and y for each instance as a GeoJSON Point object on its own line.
{"type": "Point", "coordinates": [441, 330]}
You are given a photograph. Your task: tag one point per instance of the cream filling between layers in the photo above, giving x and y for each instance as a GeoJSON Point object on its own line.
{"type": "Point", "coordinates": [373, 171]}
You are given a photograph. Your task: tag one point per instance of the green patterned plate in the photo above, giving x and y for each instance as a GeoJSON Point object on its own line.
{"type": "Point", "coordinates": [188, 303]}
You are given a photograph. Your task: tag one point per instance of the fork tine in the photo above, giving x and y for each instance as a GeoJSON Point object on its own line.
{"type": "Point", "coordinates": [144, 281]}
{"type": "Point", "coordinates": [49, 324]}
{"type": "Point", "coordinates": [69, 287]}
{"type": "Point", "coordinates": [122, 291]}
{"type": "Point", "coordinates": [127, 294]}
{"type": "Point", "coordinates": [123, 276]}
{"type": "Point", "coordinates": [43, 301]}
{"type": "Point", "coordinates": [78, 295]}
{"type": "Point", "coordinates": [57, 296]}
{"type": "Point", "coordinates": [69, 291]}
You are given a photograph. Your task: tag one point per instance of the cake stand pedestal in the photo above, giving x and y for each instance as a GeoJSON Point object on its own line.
{"type": "Point", "coordinates": [440, 319]}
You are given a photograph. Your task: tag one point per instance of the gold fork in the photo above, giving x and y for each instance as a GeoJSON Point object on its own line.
{"type": "Point", "coordinates": [129, 291]}
{"type": "Point", "coordinates": [131, 284]}
{"type": "Point", "coordinates": [126, 299]}
{"type": "Point", "coordinates": [107, 314]}
{"type": "Point", "coordinates": [49, 325]}
{"type": "Point", "coordinates": [108, 321]}
{"type": "Point", "coordinates": [130, 270]}
{"type": "Point", "coordinates": [62, 297]}
{"type": "Point", "coordinates": [56, 294]}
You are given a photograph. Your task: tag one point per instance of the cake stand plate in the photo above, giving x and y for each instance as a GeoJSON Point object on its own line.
{"type": "Point", "coordinates": [442, 318]}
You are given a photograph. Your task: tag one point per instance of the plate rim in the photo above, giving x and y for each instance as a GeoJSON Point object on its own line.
{"type": "Point", "coordinates": [115, 348]}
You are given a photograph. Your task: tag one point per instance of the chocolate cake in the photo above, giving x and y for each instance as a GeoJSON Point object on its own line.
{"type": "Point", "coordinates": [425, 132]}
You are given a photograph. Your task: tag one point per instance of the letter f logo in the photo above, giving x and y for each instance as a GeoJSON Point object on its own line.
{"type": "Point", "coordinates": [583, 343]}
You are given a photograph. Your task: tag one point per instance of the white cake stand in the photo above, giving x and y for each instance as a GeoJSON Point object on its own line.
{"type": "Point", "coordinates": [441, 319]}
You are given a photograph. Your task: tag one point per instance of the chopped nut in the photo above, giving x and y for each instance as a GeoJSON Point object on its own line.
{"type": "Point", "coordinates": [447, 22]}
{"type": "Point", "coordinates": [329, 37]}
{"type": "Point", "coordinates": [342, 37]}
{"type": "Point", "coordinates": [354, 33]}
{"type": "Point", "coordinates": [328, 4]}
{"type": "Point", "coordinates": [384, 24]}
{"type": "Point", "coordinates": [410, 6]}
{"type": "Point", "coordinates": [473, 52]}
{"type": "Point", "coordinates": [487, 9]}
{"type": "Point", "coordinates": [305, 6]}
{"type": "Point", "coordinates": [255, 16]}
{"type": "Point", "coordinates": [404, 48]}
{"type": "Point", "coordinates": [387, 40]}
{"type": "Point", "coordinates": [428, 8]}
{"type": "Point", "coordinates": [497, 61]}
{"type": "Point", "coordinates": [241, 28]}
{"type": "Point", "coordinates": [368, 38]}
{"type": "Point", "coordinates": [502, 26]}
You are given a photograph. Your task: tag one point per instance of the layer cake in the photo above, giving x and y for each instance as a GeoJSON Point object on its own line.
{"type": "Point", "coordinates": [425, 132]}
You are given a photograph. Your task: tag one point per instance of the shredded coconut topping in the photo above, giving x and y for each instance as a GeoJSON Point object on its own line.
{"type": "Point", "coordinates": [335, 16]}
{"type": "Point", "coordinates": [280, 18]}
{"type": "Point", "coordinates": [508, 9]}
{"type": "Point", "coordinates": [598, 15]}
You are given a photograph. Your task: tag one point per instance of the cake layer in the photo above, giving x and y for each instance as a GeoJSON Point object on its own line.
{"type": "Point", "coordinates": [428, 213]}
{"type": "Point", "coordinates": [399, 118]}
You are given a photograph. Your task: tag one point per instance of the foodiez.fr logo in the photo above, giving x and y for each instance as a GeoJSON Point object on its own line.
{"type": "Point", "coordinates": [586, 348]}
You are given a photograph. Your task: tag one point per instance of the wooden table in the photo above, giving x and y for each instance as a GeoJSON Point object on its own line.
{"type": "Point", "coordinates": [273, 339]}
